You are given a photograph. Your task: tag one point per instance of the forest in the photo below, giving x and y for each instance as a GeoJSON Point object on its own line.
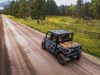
{"type": "Point", "coordinates": [40, 9]}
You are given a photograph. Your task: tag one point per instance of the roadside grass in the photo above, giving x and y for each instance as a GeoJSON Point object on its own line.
{"type": "Point", "coordinates": [90, 45]}
{"type": "Point", "coordinates": [91, 25]}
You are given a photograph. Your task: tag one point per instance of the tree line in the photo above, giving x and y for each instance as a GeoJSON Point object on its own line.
{"type": "Point", "coordinates": [40, 9]}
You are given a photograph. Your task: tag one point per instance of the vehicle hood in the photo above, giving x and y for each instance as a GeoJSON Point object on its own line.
{"type": "Point", "coordinates": [69, 44]}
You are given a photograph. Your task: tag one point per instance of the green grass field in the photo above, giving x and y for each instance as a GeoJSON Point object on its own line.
{"type": "Point", "coordinates": [90, 45]}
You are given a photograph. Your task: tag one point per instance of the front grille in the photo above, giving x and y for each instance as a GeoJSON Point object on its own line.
{"type": "Point", "coordinates": [74, 50]}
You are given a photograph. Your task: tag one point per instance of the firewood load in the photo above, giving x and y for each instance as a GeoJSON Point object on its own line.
{"type": "Point", "coordinates": [69, 44]}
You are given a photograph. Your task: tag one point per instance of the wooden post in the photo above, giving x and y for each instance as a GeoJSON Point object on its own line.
{"type": "Point", "coordinates": [60, 27]}
{"type": "Point", "coordinates": [75, 30]}
{"type": "Point", "coordinates": [67, 28]}
{"type": "Point", "coordinates": [85, 32]}
{"type": "Point", "coordinates": [98, 36]}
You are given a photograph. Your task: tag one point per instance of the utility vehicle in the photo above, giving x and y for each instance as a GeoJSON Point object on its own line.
{"type": "Point", "coordinates": [59, 43]}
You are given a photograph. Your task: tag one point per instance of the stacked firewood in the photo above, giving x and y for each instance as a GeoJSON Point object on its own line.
{"type": "Point", "coordinates": [69, 44]}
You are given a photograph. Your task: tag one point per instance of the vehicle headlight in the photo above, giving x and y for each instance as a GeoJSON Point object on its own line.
{"type": "Point", "coordinates": [80, 47]}
{"type": "Point", "coordinates": [68, 51]}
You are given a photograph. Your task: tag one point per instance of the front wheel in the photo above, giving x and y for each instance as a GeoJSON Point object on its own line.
{"type": "Point", "coordinates": [43, 45]}
{"type": "Point", "coordinates": [78, 56]}
{"type": "Point", "coordinates": [61, 59]}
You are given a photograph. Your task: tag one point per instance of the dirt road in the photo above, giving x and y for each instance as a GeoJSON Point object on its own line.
{"type": "Point", "coordinates": [27, 57]}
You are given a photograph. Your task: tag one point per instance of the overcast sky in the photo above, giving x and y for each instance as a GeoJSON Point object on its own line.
{"type": "Point", "coordinates": [67, 2]}
{"type": "Point", "coordinates": [59, 2]}
{"type": "Point", "coordinates": [3, 0]}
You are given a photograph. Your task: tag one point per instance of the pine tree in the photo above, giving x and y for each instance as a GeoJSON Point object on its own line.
{"type": "Point", "coordinates": [52, 8]}
{"type": "Point", "coordinates": [72, 10]}
{"type": "Point", "coordinates": [12, 8]}
{"type": "Point", "coordinates": [23, 9]}
{"type": "Point", "coordinates": [38, 10]}
{"type": "Point", "coordinates": [98, 9]}
{"type": "Point", "coordinates": [95, 8]}
{"type": "Point", "coordinates": [48, 7]}
{"type": "Point", "coordinates": [87, 9]}
{"type": "Point", "coordinates": [62, 10]}
{"type": "Point", "coordinates": [80, 9]}
{"type": "Point", "coordinates": [16, 8]}
{"type": "Point", "coordinates": [6, 10]}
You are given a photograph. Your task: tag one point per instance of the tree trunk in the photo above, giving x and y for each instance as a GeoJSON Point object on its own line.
{"type": "Point", "coordinates": [38, 21]}
{"type": "Point", "coordinates": [41, 20]}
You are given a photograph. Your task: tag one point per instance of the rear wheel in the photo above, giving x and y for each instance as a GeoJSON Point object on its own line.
{"type": "Point", "coordinates": [43, 45]}
{"type": "Point", "coordinates": [61, 59]}
{"type": "Point", "coordinates": [78, 56]}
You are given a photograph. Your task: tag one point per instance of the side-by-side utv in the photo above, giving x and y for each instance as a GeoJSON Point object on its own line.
{"type": "Point", "coordinates": [60, 43]}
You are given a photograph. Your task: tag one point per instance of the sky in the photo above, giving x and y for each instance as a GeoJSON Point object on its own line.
{"type": "Point", "coordinates": [3, 0]}
{"type": "Point", "coordinates": [68, 2]}
{"type": "Point", "coordinates": [59, 2]}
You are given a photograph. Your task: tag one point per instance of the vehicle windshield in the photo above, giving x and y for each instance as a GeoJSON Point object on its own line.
{"type": "Point", "coordinates": [51, 37]}
{"type": "Point", "coordinates": [65, 37]}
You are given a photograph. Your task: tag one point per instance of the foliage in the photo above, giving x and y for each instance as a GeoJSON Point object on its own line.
{"type": "Point", "coordinates": [12, 9]}
{"type": "Point", "coordinates": [63, 10]}
{"type": "Point", "coordinates": [52, 8]}
{"type": "Point", "coordinates": [95, 8]}
{"type": "Point", "coordinates": [87, 9]}
{"type": "Point", "coordinates": [23, 9]}
{"type": "Point", "coordinates": [38, 9]}
{"type": "Point", "coordinates": [80, 9]}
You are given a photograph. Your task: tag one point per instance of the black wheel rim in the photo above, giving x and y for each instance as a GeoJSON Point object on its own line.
{"type": "Point", "coordinates": [60, 60]}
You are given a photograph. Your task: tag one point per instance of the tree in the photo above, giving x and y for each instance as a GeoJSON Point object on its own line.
{"type": "Point", "coordinates": [12, 8]}
{"type": "Point", "coordinates": [87, 9]}
{"type": "Point", "coordinates": [62, 10]}
{"type": "Point", "coordinates": [16, 8]}
{"type": "Point", "coordinates": [6, 10]}
{"type": "Point", "coordinates": [48, 7]}
{"type": "Point", "coordinates": [23, 9]}
{"type": "Point", "coordinates": [72, 10]}
{"type": "Point", "coordinates": [67, 10]}
{"type": "Point", "coordinates": [98, 9]}
{"type": "Point", "coordinates": [38, 10]}
{"type": "Point", "coordinates": [95, 8]}
{"type": "Point", "coordinates": [80, 9]}
{"type": "Point", "coordinates": [52, 8]}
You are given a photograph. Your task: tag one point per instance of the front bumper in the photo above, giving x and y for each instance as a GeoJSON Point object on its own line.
{"type": "Point", "coordinates": [73, 55]}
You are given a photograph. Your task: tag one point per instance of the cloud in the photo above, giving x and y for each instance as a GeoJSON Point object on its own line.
{"type": "Point", "coordinates": [3, 0]}
{"type": "Point", "coordinates": [67, 2]}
